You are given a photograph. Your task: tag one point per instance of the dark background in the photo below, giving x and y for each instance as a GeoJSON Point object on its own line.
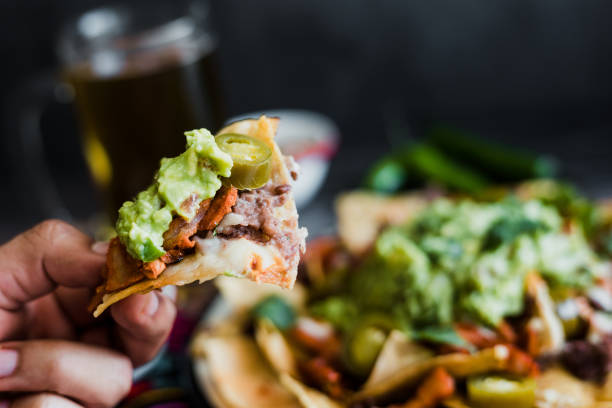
{"type": "Point", "coordinates": [534, 73]}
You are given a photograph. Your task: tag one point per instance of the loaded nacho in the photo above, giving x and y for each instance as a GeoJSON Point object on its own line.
{"type": "Point", "coordinates": [223, 207]}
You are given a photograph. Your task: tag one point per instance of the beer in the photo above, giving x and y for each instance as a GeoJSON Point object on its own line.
{"type": "Point", "coordinates": [135, 115]}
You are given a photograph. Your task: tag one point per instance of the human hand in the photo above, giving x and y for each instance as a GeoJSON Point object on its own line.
{"type": "Point", "coordinates": [51, 348]}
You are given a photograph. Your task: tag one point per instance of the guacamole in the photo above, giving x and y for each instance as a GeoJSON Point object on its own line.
{"type": "Point", "coordinates": [464, 261]}
{"type": "Point", "coordinates": [143, 221]}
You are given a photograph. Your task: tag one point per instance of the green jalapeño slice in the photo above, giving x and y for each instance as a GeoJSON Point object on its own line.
{"type": "Point", "coordinates": [251, 159]}
{"type": "Point", "coordinates": [501, 392]}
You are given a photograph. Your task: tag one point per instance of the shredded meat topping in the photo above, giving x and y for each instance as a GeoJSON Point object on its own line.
{"type": "Point", "coordinates": [587, 360]}
{"type": "Point", "coordinates": [240, 231]}
{"type": "Point", "coordinates": [153, 269]}
{"type": "Point", "coordinates": [173, 255]}
{"type": "Point", "coordinates": [222, 204]}
{"type": "Point", "coordinates": [180, 230]}
{"type": "Point", "coordinates": [255, 210]}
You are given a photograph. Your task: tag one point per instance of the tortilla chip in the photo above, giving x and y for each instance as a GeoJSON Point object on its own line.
{"type": "Point", "coordinates": [121, 270]}
{"type": "Point", "coordinates": [230, 326]}
{"type": "Point", "coordinates": [234, 374]}
{"type": "Point", "coordinates": [361, 215]}
{"type": "Point", "coordinates": [397, 353]}
{"type": "Point", "coordinates": [243, 294]}
{"type": "Point", "coordinates": [308, 397]}
{"type": "Point", "coordinates": [187, 271]}
{"type": "Point", "coordinates": [458, 365]}
{"type": "Point", "coordinates": [550, 334]}
{"type": "Point", "coordinates": [236, 257]}
{"type": "Point", "coordinates": [556, 388]}
{"type": "Point", "coordinates": [276, 349]}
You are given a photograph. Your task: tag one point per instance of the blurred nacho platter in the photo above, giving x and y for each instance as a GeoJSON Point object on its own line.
{"type": "Point", "coordinates": [427, 300]}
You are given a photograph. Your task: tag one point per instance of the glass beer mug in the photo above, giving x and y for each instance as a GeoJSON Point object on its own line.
{"type": "Point", "coordinates": [139, 77]}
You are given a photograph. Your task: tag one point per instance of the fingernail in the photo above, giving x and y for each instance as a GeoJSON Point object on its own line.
{"type": "Point", "coordinates": [169, 291]}
{"type": "Point", "coordinates": [152, 305]}
{"type": "Point", "coordinates": [99, 247]}
{"type": "Point", "coordinates": [8, 362]}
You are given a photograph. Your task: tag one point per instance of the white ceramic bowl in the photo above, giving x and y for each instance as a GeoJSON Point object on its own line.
{"type": "Point", "coordinates": [312, 139]}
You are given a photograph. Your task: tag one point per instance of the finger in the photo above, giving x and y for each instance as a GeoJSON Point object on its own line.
{"type": "Point", "coordinates": [54, 315]}
{"type": "Point", "coordinates": [12, 326]}
{"type": "Point", "coordinates": [74, 302]}
{"type": "Point", "coordinates": [143, 324]}
{"type": "Point", "coordinates": [43, 400]}
{"type": "Point", "coordinates": [50, 254]}
{"type": "Point", "coordinates": [101, 336]}
{"type": "Point", "coordinates": [47, 320]}
{"type": "Point", "coordinates": [92, 375]}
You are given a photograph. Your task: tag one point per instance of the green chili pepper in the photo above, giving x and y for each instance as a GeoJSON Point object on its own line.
{"type": "Point", "coordinates": [436, 166]}
{"type": "Point", "coordinates": [251, 159]}
{"type": "Point", "coordinates": [501, 392]}
{"type": "Point", "coordinates": [504, 163]}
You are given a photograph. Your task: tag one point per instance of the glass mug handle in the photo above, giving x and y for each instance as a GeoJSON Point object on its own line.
{"type": "Point", "coordinates": [29, 158]}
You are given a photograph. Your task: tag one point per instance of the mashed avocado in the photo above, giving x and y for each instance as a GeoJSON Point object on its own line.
{"type": "Point", "coordinates": [142, 222]}
{"type": "Point", "coordinates": [464, 260]}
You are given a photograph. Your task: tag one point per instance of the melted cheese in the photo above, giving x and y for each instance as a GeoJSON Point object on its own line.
{"type": "Point", "coordinates": [235, 257]}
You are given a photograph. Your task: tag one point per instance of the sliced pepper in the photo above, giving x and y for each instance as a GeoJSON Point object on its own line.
{"type": "Point", "coordinates": [365, 342]}
{"type": "Point", "coordinates": [363, 348]}
{"type": "Point", "coordinates": [251, 159]}
{"type": "Point", "coordinates": [501, 392]}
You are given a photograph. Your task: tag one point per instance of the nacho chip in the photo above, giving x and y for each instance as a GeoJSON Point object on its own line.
{"type": "Point", "coordinates": [361, 216]}
{"type": "Point", "coordinates": [308, 397]}
{"type": "Point", "coordinates": [276, 349]}
{"type": "Point", "coordinates": [243, 294]}
{"type": "Point", "coordinates": [236, 375]}
{"type": "Point", "coordinates": [262, 262]}
{"type": "Point", "coordinates": [458, 365]}
{"type": "Point", "coordinates": [397, 353]}
{"type": "Point", "coordinates": [550, 334]}
{"type": "Point", "coordinates": [556, 388]}
{"type": "Point", "coordinates": [121, 269]}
